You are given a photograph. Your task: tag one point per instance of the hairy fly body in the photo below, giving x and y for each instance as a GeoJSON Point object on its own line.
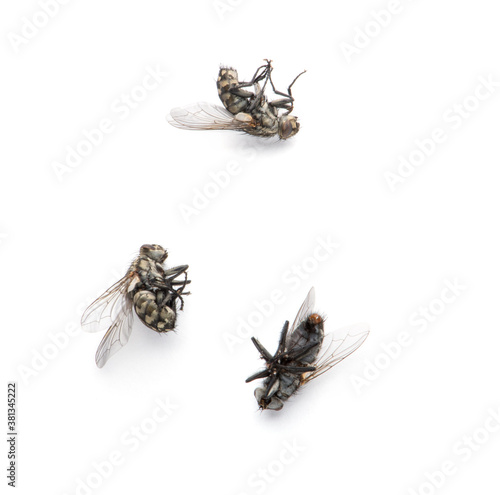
{"type": "Point", "coordinates": [302, 355]}
{"type": "Point", "coordinates": [232, 92]}
{"type": "Point", "coordinates": [150, 289]}
{"type": "Point", "coordinates": [246, 107]}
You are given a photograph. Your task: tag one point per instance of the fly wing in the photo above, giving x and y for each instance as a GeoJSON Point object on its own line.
{"type": "Point", "coordinates": [337, 347]}
{"type": "Point", "coordinates": [117, 335]}
{"type": "Point", "coordinates": [205, 116]}
{"type": "Point", "coordinates": [305, 310]}
{"type": "Point", "coordinates": [106, 308]}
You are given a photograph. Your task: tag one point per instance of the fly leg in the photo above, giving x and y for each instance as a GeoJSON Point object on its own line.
{"type": "Point", "coordinates": [259, 92]}
{"type": "Point", "coordinates": [299, 353]}
{"type": "Point", "coordinates": [169, 282]}
{"type": "Point", "coordinates": [259, 374]}
{"type": "Point", "coordinates": [282, 342]}
{"type": "Point", "coordinates": [271, 388]}
{"type": "Point", "coordinates": [255, 79]}
{"type": "Point", "coordinates": [265, 354]}
{"type": "Point", "coordinates": [176, 271]}
{"type": "Point", "coordinates": [265, 73]}
{"type": "Point", "coordinates": [173, 273]}
{"type": "Point", "coordinates": [253, 98]}
{"type": "Point", "coordinates": [287, 101]}
{"type": "Point", "coordinates": [167, 277]}
{"type": "Point", "coordinates": [297, 370]}
{"type": "Point", "coordinates": [180, 291]}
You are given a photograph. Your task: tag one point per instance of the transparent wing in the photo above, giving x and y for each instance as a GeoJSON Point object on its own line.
{"type": "Point", "coordinates": [112, 310]}
{"type": "Point", "coordinates": [336, 347]}
{"type": "Point", "coordinates": [117, 335]}
{"type": "Point", "coordinates": [205, 116]}
{"type": "Point", "coordinates": [105, 309]}
{"type": "Point", "coordinates": [306, 309]}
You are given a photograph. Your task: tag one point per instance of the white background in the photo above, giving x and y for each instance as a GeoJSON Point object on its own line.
{"type": "Point", "coordinates": [63, 242]}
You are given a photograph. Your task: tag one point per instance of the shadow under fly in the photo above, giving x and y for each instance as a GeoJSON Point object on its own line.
{"type": "Point", "coordinates": [303, 354]}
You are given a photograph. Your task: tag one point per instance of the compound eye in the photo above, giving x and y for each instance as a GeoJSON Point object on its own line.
{"type": "Point", "coordinates": [286, 129]}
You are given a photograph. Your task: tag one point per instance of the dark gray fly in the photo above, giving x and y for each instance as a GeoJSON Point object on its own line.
{"type": "Point", "coordinates": [303, 353]}
{"type": "Point", "coordinates": [246, 107]}
{"type": "Point", "coordinates": [149, 288]}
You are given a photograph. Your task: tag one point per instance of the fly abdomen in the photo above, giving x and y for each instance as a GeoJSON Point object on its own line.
{"type": "Point", "coordinates": [309, 336]}
{"type": "Point", "coordinates": [233, 98]}
{"type": "Point", "coordinates": [289, 384]}
{"type": "Point", "coordinates": [153, 314]}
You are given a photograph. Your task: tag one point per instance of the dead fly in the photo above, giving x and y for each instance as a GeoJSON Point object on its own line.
{"type": "Point", "coordinates": [148, 287]}
{"type": "Point", "coordinates": [244, 110]}
{"type": "Point", "coordinates": [298, 359]}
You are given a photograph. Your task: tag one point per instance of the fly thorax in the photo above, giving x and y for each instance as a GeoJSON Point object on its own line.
{"type": "Point", "coordinates": [154, 252]}
{"type": "Point", "coordinates": [144, 264]}
{"type": "Point", "coordinates": [158, 269]}
{"type": "Point", "coordinates": [144, 267]}
{"type": "Point", "coordinates": [269, 123]}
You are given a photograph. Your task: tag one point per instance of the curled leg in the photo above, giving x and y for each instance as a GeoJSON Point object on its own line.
{"type": "Point", "coordinates": [287, 101]}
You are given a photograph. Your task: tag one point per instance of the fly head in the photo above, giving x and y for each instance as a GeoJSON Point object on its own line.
{"type": "Point", "coordinates": [288, 126]}
{"type": "Point", "coordinates": [266, 402]}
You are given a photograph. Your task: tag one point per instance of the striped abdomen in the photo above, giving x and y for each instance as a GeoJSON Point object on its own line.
{"type": "Point", "coordinates": [152, 312]}
{"type": "Point", "coordinates": [227, 81]}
